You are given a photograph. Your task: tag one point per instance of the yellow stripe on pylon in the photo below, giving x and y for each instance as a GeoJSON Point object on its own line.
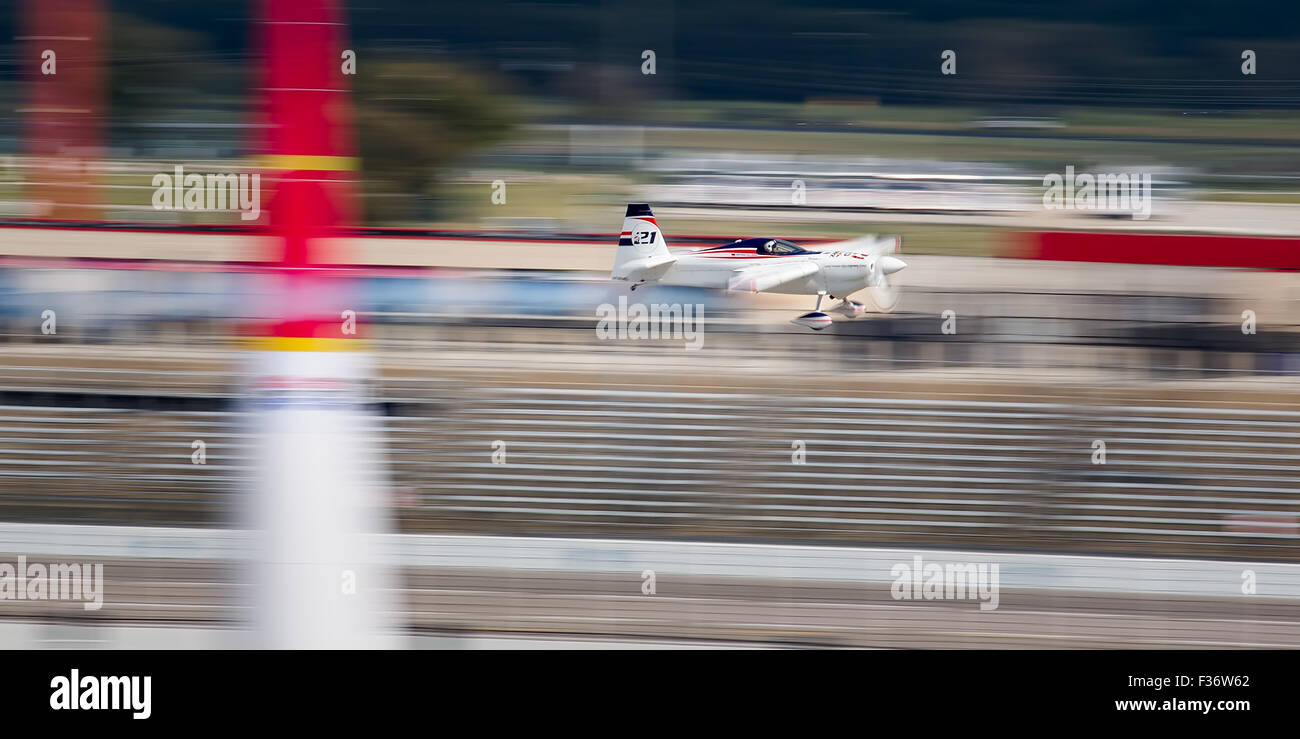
{"type": "Point", "coordinates": [304, 344]}
{"type": "Point", "coordinates": [289, 162]}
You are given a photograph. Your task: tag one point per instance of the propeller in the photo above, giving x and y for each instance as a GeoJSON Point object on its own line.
{"type": "Point", "coordinates": [884, 291]}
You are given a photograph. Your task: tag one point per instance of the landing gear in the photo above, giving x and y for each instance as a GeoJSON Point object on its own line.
{"type": "Point", "coordinates": [816, 320]}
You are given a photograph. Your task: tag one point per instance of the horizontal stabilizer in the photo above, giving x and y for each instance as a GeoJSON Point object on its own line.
{"type": "Point", "coordinates": [648, 269]}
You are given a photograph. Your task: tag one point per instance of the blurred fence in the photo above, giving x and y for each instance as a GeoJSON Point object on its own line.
{"type": "Point", "coordinates": [1177, 477]}
{"type": "Point", "coordinates": [634, 449]}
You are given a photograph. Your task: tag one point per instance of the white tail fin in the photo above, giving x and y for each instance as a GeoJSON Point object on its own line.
{"type": "Point", "coordinates": [642, 254]}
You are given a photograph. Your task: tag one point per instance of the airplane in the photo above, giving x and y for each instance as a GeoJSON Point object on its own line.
{"type": "Point", "coordinates": [763, 265]}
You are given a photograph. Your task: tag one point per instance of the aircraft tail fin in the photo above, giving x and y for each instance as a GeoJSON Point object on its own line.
{"type": "Point", "coordinates": [642, 254]}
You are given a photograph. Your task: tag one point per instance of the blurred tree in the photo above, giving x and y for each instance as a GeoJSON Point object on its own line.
{"type": "Point", "coordinates": [1107, 52]}
{"type": "Point", "coordinates": [160, 73]}
{"type": "Point", "coordinates": [414, 118]}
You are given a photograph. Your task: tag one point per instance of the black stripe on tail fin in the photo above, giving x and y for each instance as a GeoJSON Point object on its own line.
{"type": "Point", "coordinates": [638, 209]}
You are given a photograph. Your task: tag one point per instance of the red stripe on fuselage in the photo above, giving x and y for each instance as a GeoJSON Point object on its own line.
{"type": "Point", "coordinates": [744, 256]}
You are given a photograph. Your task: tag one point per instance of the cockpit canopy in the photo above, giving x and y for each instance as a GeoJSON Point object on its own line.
{"type": "Point", "coordinates": [765, 246]}
{"type": "Point", "coordinates": [778, 246]}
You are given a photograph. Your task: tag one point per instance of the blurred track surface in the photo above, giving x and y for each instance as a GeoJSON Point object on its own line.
{"type": "Point", "coordinates": [771, 612]}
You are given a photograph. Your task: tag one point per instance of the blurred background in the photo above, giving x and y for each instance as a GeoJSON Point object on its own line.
{"type": "Point", "coordinates": [528, 473]}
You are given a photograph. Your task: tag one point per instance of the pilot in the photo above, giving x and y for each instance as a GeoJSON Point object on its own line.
{"type": "Point", "coordinates": [778, 247]}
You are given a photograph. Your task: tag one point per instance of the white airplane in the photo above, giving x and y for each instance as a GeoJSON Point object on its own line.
{"type": "Point", "coordinates": [763, 265]}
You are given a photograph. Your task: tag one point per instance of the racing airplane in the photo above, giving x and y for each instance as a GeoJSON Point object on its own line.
{"type": "Point", "coordinates": [763, 265]}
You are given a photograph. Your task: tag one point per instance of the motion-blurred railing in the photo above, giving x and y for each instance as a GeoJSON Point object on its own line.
{"type": "Point", "coordinates": [1111, 466]}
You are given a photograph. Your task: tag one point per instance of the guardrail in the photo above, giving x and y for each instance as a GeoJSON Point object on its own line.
{"type": "Point", "coordinates": [1204, 578]}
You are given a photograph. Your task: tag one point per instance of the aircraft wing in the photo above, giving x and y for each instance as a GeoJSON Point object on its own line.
{"type": "Point", "coordinates": [762, 277]}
